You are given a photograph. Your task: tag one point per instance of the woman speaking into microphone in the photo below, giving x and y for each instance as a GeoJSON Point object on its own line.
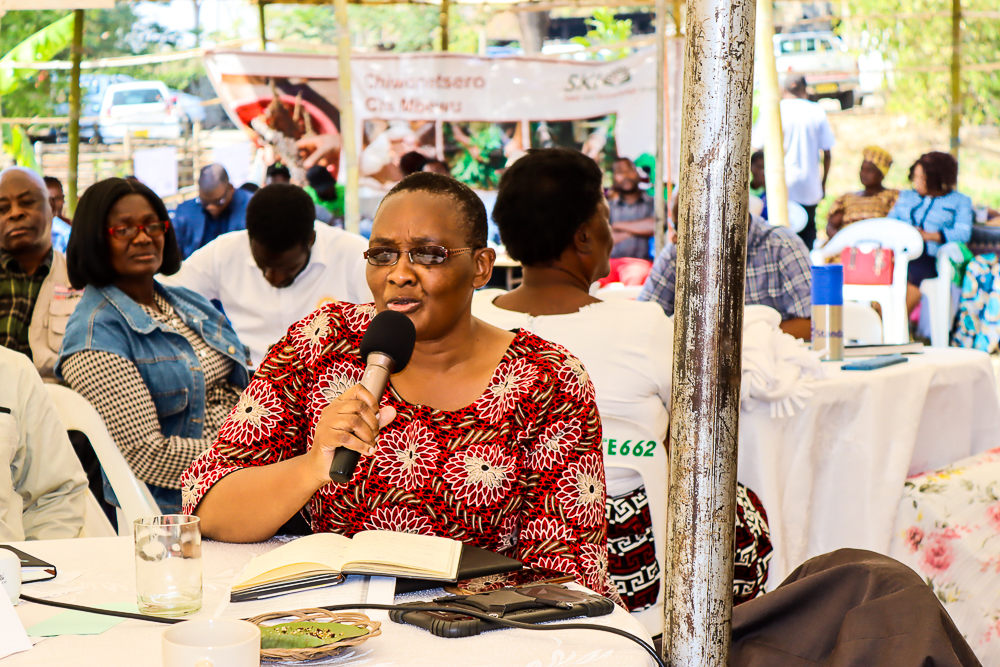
{"type": "Point", "coordinates": [486, 436]}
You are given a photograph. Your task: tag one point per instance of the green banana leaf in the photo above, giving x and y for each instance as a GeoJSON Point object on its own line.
{"type": "Point", "coordinates": [41, 46]}
{"type": "Point", "coordinates": [17, 144]}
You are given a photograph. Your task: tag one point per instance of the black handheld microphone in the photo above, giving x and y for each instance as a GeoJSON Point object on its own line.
{"type": "Point", "coordinates": [386, 347]}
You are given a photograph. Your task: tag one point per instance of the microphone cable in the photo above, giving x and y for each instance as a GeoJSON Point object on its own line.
{"type": "Point", "coordinates": [380, 607]}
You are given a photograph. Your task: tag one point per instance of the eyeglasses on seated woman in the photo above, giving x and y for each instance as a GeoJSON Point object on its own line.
{"type": "Point", "coordinates": [162, 366]}
{"type": "Point", "coordinates": [487, 436]}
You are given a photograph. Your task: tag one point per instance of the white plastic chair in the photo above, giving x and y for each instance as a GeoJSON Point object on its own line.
{"type": "Point", "coordinates": [937, 295]}
{"type": "Point", "coordinates": [618, 291]}
{"type": "Point", "coordinates": [653, 465]}
{"type": "Point", "coordinates": [906, 243]}
{"type": "Point", "coordinates": [77, 414]}
{"type": "Point", "coordinates": [862, 325]}
{"type": "Point", "coordinates": [95, 523]}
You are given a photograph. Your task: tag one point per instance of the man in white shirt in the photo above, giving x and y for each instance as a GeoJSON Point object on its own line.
{"type": "Point", "coordinates": [806, 133]}
{"type": "Point", "coordinates": [278, 270]}
{"type": "Point", "coordinates": [42, 486]}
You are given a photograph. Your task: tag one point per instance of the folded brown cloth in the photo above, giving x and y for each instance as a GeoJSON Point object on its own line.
{"type": "Point", "coordinates": [848, 608]}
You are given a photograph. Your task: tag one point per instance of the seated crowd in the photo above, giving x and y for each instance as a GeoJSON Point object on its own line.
{"type": "Point", "coordinates": [220, 347]}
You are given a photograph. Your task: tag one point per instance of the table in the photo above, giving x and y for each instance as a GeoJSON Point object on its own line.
{"type": "Point", "coordinates": [108, 574]}
{"type": "Point", "coordinates": [832, 475]}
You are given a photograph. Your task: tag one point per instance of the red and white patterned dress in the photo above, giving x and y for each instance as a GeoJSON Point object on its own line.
{"type": "Point", "coordinates": [519, 471]}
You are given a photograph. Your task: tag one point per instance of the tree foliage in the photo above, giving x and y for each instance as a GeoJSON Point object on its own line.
{"type": "Point", "coordinates": [107, 33]}
{"type": "Point", "coordinates": [606, 30]}
{"type": "Point", "coordinates": [398, 27]}
{"type": "Point", "coordinates": [912, 45]}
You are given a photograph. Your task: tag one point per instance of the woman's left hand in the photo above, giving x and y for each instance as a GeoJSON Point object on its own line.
{"type": "Point", "coordinates": [936, 237]}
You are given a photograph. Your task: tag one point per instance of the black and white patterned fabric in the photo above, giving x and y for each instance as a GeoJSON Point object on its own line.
{"type": "Point", "coordinates": [114, 386]}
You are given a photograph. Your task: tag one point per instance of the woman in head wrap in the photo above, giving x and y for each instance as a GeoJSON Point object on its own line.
{"type": "Point", "coordinates": [875, 201]}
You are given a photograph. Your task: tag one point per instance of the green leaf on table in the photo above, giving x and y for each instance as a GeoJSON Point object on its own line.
{"type": "Point", "coordinates": [305, 634]}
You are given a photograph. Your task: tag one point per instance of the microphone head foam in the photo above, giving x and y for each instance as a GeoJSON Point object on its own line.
{"type": "Point", "coordinates": [390, 333]}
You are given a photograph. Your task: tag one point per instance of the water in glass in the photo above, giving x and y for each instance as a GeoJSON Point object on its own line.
{"type": "Point", "coordinates": [168, 564]}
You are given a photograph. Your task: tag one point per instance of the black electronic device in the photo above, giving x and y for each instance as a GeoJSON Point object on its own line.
{"type": "Point", "coordinates": [386, 348]}
{"type": "Point", "coordinates": [528, 604]}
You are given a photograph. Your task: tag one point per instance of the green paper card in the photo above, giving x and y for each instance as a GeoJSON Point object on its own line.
{"type": "Point", "coordinates": [80, 622]}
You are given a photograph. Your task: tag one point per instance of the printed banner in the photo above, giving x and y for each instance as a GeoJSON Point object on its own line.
{"type": "Point", "coordinates": [426, 101]}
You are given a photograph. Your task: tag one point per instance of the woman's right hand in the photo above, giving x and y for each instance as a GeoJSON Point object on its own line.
{"type": "Point", "coordinates": [352, 420]}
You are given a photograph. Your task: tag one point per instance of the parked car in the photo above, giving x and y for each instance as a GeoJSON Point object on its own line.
{"type": "Point", "coordinates": [141, 108]}
{"type": "Point", "coordinates": [823, 59]}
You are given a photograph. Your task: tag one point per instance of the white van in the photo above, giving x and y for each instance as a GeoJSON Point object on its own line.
{"type": "Point", "coordinates": [823, 59]}
{"type": "Point", "coordinates": [144, 109]}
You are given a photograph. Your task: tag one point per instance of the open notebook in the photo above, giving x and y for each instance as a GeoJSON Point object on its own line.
{"type": "Point", "coordinates": [321, 559]}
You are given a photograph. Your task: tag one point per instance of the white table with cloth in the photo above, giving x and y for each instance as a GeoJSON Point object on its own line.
{"type": "Point", "coordinates": [107, 574]}
{"type": "Point", "coordinates": [832, 474]}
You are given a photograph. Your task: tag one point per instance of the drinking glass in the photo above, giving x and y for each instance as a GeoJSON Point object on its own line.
{"type": "Point", "coordinates": [168, 564]}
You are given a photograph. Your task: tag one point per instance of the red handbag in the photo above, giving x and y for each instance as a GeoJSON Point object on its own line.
{"type": "Point", "coordinates": [867, 268]}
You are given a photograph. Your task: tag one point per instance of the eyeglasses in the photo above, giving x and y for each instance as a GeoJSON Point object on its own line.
{"type": "Point", "coordinates": [425, 255]}
{"type": "Point", "coordinates": [129, 232]}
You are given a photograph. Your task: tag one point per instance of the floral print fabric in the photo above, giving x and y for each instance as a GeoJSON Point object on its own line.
{"type": "Point", "coordinates": [519, 471]}
{"type": "Point", "coordinates": [948, 531]}
{"type": "Point", "coordinates": [978, 324]}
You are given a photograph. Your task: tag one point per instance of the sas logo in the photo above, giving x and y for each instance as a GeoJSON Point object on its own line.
{"type": "Point", "coordinates": [616, 77]}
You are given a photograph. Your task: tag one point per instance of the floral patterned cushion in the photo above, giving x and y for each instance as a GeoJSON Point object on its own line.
{"type": "Point", "coordinates": [948, 531]}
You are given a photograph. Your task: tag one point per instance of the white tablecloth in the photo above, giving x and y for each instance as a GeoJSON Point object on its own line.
{"type": "Point", "coordinates": [832, 475]}
{"type": "Point", "coordinates": [108, 575]}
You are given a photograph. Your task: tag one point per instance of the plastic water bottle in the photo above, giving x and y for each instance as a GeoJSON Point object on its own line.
{"type": "Point", "coordinates": [827, 311]}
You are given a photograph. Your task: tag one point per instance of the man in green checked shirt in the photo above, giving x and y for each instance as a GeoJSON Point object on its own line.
{"type": "Point", "coordinates": [35, 294]}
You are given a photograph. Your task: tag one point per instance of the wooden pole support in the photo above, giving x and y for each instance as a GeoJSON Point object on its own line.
{"type": "Point", "coordinates": [352, 205]}
{"type": "Point", "coordinates": [956, 75]}
{"type": "Point", "coordinates": [74, 112]}
{"type": "Point", "coordinates": [770, 118]}
{"type": "Point", "coordinates": [659, 210]}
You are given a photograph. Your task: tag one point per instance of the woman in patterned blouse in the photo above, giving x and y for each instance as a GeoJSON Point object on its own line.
{"type": "Point", "coordinates": [487, 436]}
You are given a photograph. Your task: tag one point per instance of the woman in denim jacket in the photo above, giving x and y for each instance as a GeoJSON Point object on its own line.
{"type": "Point", "coordinates": [162, 366]}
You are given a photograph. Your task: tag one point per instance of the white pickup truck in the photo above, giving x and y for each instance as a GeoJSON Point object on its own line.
{"type": "Point", "coordinates": [823, 59]}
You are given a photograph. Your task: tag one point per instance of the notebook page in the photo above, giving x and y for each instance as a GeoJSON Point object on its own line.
{"type": "Point", "coordinates": [426, 553]}
{"type": "Point", "coordinates": [326, 549]}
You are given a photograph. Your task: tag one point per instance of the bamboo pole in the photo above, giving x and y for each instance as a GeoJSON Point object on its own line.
{"type": "Point", "coordinates": [445, 9]}
{"type": "Point", "coordinates": [956, 75]}
{"type": "Point", "coordinates": [770, 118]}
{"type": "Point", "coordinates": [708, 328]}
{"type": "Point", "coordinates": [677, 17]}
{"type": "Point", "coordinates": [352, 206]}
{"type": "Point", "coordinates": [659, 210]}
{"type": "Point", "coordinates": [263, 25]}
{"type": "Point", "coordinates": [74, 112]}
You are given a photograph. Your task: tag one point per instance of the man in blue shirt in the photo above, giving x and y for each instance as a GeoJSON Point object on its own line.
{"type": "Point", "coordinates": [219, 208]}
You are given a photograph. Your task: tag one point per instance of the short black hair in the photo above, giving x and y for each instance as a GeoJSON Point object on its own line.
{"type": "Point", "coordinates": [250, 187]}
{"type": "Point", "coordinates": [88, 261]}
{"type": "Point", "coordinates": [795, 83]}
{"type": "Point", "coordinates": [940, 170]}
{"type": "Point", "coordinates": [278, 169]}
{"type": "Point", "coordinates": [756, 155]}
{"type": "Point", "coordinates": [412, 162]}
{"type": "Point", "coordinates": [543, 200]}
{"type": "Point", "coordinates": [281, 216]}
{"type": "Point", "coordinates": [471, 206]}
{"type": "Point", "coordinates": [52, 181]}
